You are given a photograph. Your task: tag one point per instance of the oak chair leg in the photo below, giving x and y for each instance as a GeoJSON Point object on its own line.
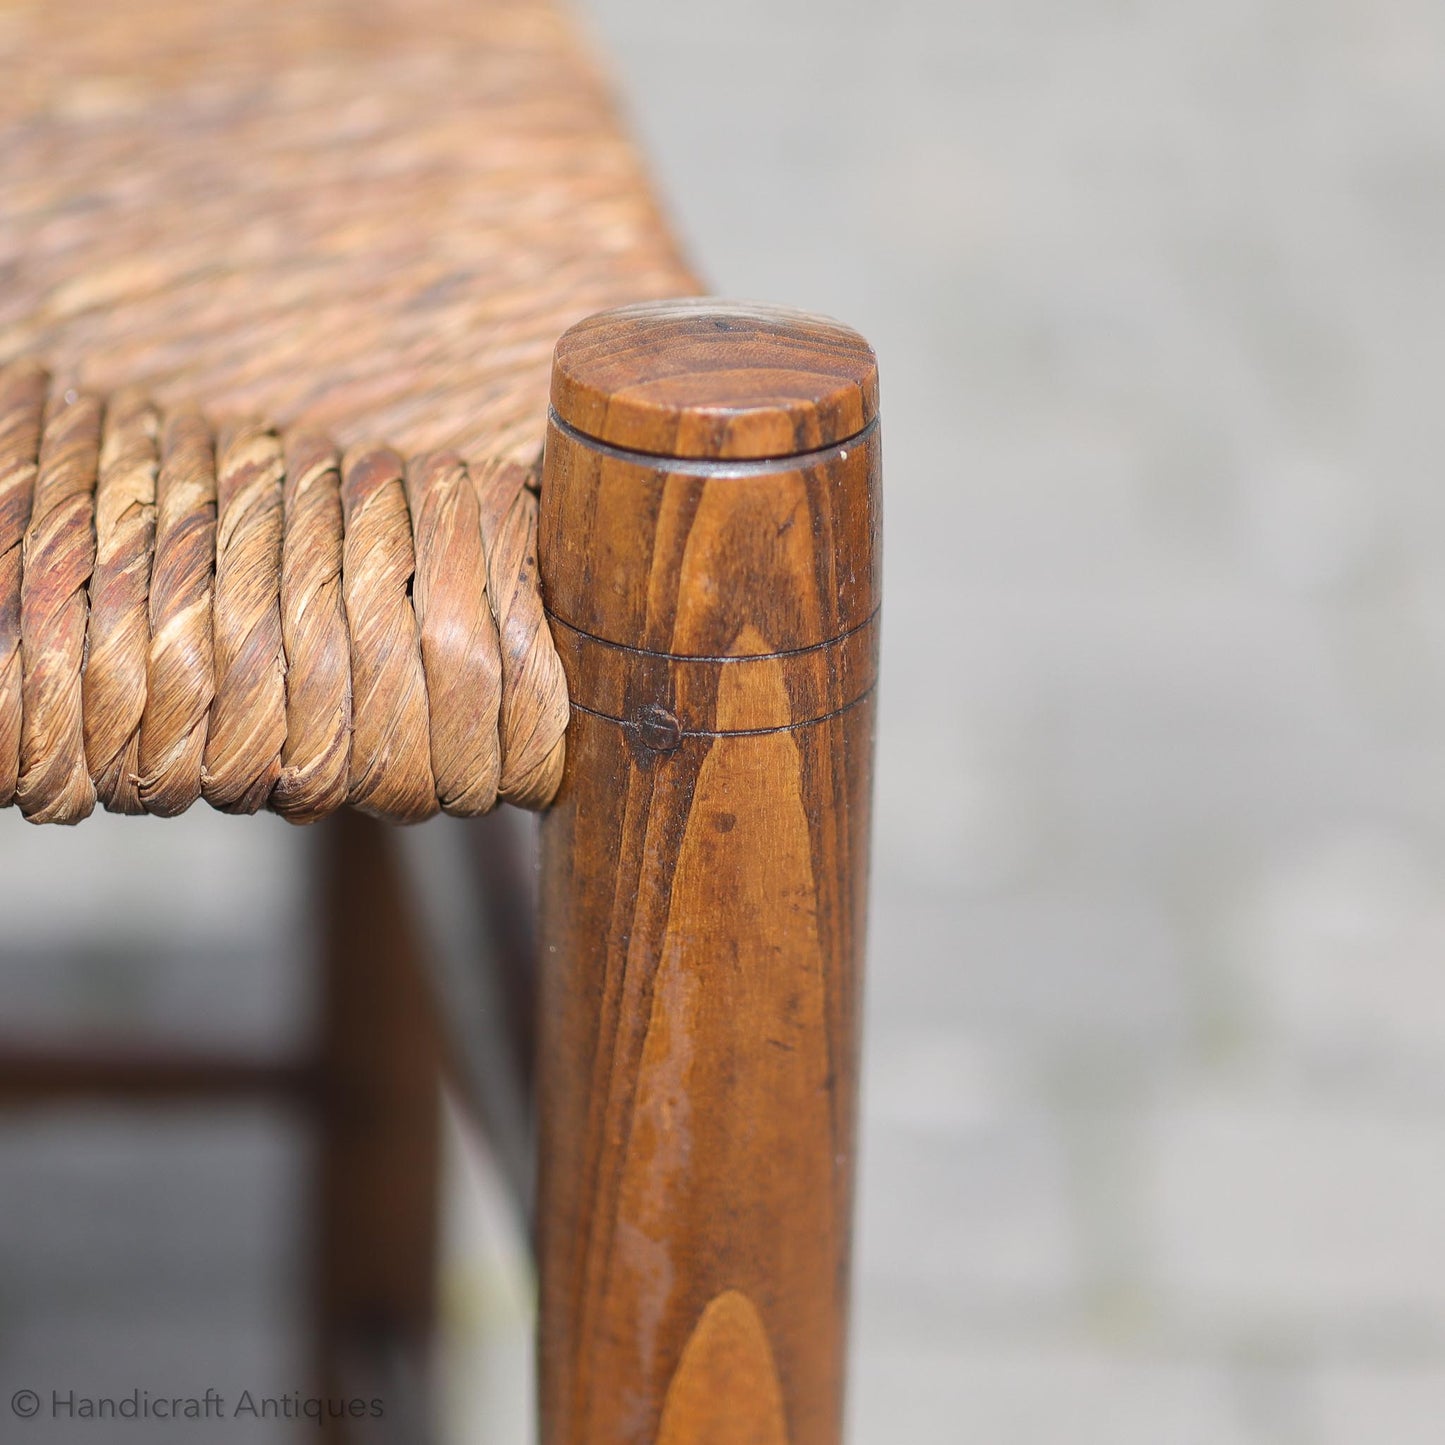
{"type": "Point", "coordinates": [709, 558]}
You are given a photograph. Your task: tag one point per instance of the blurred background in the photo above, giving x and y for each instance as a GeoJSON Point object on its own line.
{"type": "Point", "coordinates": [1154, 1138]}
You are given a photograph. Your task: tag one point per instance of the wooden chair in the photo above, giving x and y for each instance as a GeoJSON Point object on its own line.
{"type": "Point", "coordinates": [286, 521]}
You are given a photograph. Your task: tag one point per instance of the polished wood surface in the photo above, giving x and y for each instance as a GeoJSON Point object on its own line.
{"type": "Point", "coordinates": [703, 885]}
{"type": "Point", "coordinates": [707, 378]}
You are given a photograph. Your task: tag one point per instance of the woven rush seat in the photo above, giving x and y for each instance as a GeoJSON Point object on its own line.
{"type": "Point", "coordinates": [279, 286]}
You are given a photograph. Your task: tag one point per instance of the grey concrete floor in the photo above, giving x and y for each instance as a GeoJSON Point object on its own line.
{"type": "Point", "coordinates": [1154, 1097]}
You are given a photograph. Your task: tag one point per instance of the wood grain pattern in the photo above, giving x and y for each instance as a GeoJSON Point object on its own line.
{"type": "Point", "coordinates": [727, 1357]}
{"type": "Point", "coordinates": [707, 378]}
{"type": "Point", "coordinates": [617, 682]}
{"type": "Point", "coordinates": [703, 885]}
